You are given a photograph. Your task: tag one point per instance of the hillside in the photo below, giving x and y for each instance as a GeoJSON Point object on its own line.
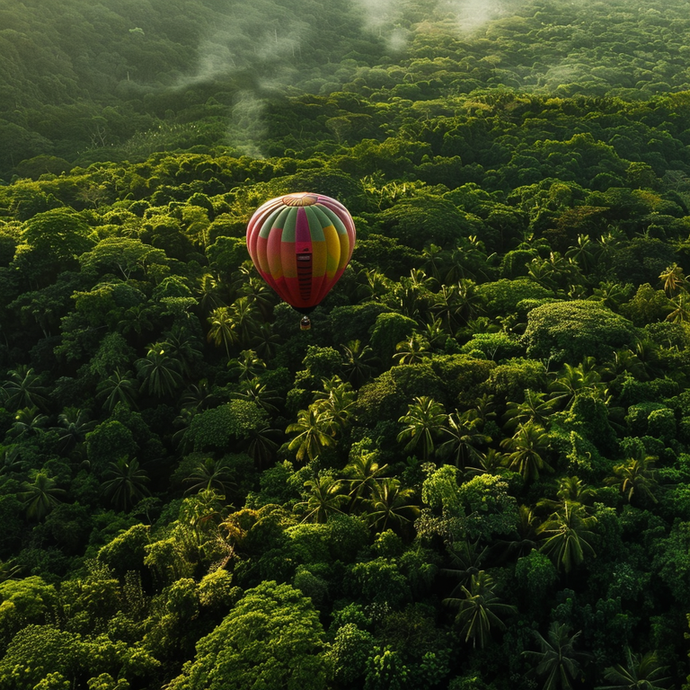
{"type": "Point", "coordinates": [472, 473]}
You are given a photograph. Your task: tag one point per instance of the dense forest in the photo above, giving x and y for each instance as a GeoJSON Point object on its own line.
{"type": "Point", "coordinates": [472, 473]}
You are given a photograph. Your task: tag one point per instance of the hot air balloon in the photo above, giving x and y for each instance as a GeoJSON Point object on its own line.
{"type": "Point", "coordinates": [300, 245]}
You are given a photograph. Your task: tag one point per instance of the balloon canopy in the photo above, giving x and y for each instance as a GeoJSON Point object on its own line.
{"type": "Point", "coordinates": [301, 244]}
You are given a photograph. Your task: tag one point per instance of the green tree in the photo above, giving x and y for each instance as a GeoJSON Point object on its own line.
{"type": "Point", "coordinates": [127, 483]}
{"type": "Point", "coordinates": [209, 473]}
{"type": "Point", "coordinates": [479, 609]}
{"type": "Point", "coordinates": [73, 425]}
{"type": "Point", "coordinates": [639, 672]}
{"type": "Point", "coordinates": [390, 504]}
{"type": "Point", "coordinates": [413, 350]}
{"type": "Point", "coordinates": [127, 257]}
{"type": "Point", "coordinates": [23, 389]}
{"type": "Point", "coordinates": [223, 329]}
{"type": "Point", "coordinates": [160, 373]}
{"type": "Point", "coordinates": [363, 473]}
{"type": "Point", "coordinates": [358, 362]}
{"type": "Point", "coordinates": [635, 476]}
{"type": "Point", "coordinates": [526, 450]}
{"type": "Point", "coordinates": [566, 536]}
{"type": "Point", "coordinates": [51, 243]}
{"type": "Point", "coordinates": [314, 431]}
{"type": "Point", "coordinates": [324, 498]}
{"type": "Point", "coordinates": [424, 422]}
{"type": "Point", "coordinates": [464, 435]}
{"type": "Point", "coordinates": [572, 330]}
{"type": "Point", "coordinates": [40, 495]}
{"type": "Point", "coordinates": [673, 279]}
{"type": "Point", "coordinates": [532, 408]}
{"type": "Point", "coordinates": [557, 658]}
{"type": "Point", "coordinates": [272, 638]}
{"type": "Point", "coordinates": [119, 387]}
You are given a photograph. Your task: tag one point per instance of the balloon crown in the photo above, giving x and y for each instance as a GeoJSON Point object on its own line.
{"type": "Point", "coordinates": [300, 199]}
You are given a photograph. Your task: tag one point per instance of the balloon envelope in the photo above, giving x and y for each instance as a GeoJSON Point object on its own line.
{"type": "Point", "coordinates": [301, 244]}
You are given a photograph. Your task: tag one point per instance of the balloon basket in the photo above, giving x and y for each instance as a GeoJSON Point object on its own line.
{"type": "Point", "coordinates": [305, 324]}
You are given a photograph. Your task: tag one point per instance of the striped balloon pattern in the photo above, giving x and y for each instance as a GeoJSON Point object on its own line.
{"type": "Point", "coordinates": [301, 244]}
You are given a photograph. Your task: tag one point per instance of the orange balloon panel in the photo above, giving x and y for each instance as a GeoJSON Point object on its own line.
{"type": "Point", "coordinates": [301, 244]}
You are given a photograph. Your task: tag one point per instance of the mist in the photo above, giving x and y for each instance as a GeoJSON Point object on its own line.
{"type": "Point", "coordinates": [265, 49]}
{"type": "Point", "coordinates": [472, 15]}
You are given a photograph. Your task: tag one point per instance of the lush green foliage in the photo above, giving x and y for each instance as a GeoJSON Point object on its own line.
{"type": "Point", "coordinates": [474, 470]}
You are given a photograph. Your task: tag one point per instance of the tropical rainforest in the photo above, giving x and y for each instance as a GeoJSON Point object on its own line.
{"type": "Point", "coordinates": [472, 473]}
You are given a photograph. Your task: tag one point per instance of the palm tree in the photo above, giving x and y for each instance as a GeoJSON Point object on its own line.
{"type": "Point", "coordinates": [8, 570]}
{"type": "Point", "coordinates": [314, 433]}
{"type": "Point", "coordinates": [28, 422]}
{"type": "Point", "coordinates": [527, 447]}
{"type": "Point", "coordinates": [573, 381]}
{"type": "Point", "coordinates": [183, 348]}
{"type": "Point", "coordinates": [137, 319]}
{"type": "Point", "coordinates": [223, 329]}
{"type": "Point", "coordinates": [479, 609]}
{"type": "Point", "coordinates": [409, 297]}
{"type": "Point", "coordinates": [484, 407]}
{"type": "Point", "coordinates": [209, 473]}
{"type": "Point", "coordinates": [435, 260]}
{"type": "Point", "coordinates": [128, 483]}
{"type": "Point", "coordinates": [199, 396]}
{"type": "Point", "coordinates": [362, 475]}
{"type": "Point", "coordinates": [638, 673]}
{"type": "Point", "coordinates": [413, 350]}
{"type": "Point", "coordinates": [117, 388]}
{"type": "Point", "coordinates": [247, 366]}
{"type": "Point", "coordinates": [435, 334]}
{"type": "Point", "coordinates": [570, 490]}
{"type": "Point", "coordinates": [358, 362]}
{"type": "Point", "coordinates": [377, 286]}
{"type": "Point", "coordinates": [524, 539]}
{"type": "Point", "coordinates": [566, 535]}
{"type": "Point", "coordinates": [424, 421]}
{"type": "Point", "coordinates": [490, 462]}
{"type": "Point", "coordinates": [390, 504]}
{"type": "Point", "coordinates": [335, 402]}
{"type": "Point", "coordinates": [533, 408]}
{"type": "Point", "coordinates": [259, 294]}
{"type": "Point", "coordinates": [624, 361]}
{"type": "Point", "coordinates": [325, 498]}
{"type": "Point", "coordinates": [209, 292]}
{"type": "Point", "coordinates": [467, 560]}
{"type": "Point", "coordinates": [257, 393]}
{"type": "Point", "coordinates": [40, 496]}
{"type": "Point", "coordinates": [611, 294]}
{"type": "Point", "coordinates": [261, 446]}
{"type": "Point", "coordinates": [673, 279]}
{"type": "Point", "coordinates": [463, 437]}
{"type": "Point", "coordinates": [11, 461]}
{"type": "Point", "coordinates": [557, 658]}
{"type": "Point", "coordinates": [73, 425]}
{"type": "Point", "coordinates": [635, 476]}
{"type": "Point", "coordinates": [454, 304]}
{"type": "Point", "coordinates": [160, 372]}
{"type": "Point", "coordinates": [265, 341]}
{"type": "Point", "coordinates": [680, 305]}
{"type": "Point", "coordinates": [583, 253]}
{"type": "Point", "coordinates": [243, 314]}
{"type": "Point", "coordinates": [22, 389]}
